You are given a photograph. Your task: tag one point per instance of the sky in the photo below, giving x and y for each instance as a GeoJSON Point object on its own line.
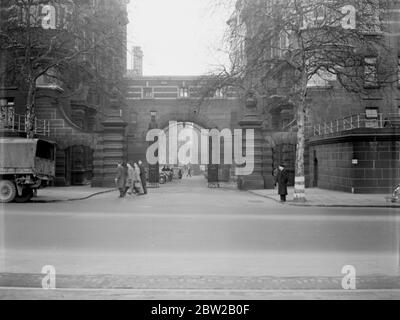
{"type": "Point", "coordinates": [178, 37]}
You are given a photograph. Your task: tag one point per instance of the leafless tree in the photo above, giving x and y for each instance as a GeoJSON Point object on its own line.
{"type": "Point", "coordinates": [62, 40]}
{"type": "Point", "coordinates": [303, 41]}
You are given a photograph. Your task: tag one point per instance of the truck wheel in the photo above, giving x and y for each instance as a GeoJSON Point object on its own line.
{"type": "Point", "coordinates": [8, 191]}
{"type": "Point", "coordinates": [27, 194]}
{"type": "Point", "coordinates": [162, 180]}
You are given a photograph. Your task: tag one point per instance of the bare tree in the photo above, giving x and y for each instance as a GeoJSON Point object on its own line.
{"type": "Point", "coordinates": [304, 41]}
{"type": "Point", "coordinates": [63, 40]}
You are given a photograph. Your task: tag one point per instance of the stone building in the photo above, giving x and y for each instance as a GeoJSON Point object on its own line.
{"type": "Point", "coordinates": [353, 139]}
{"type": "Point", "coordinates": [77, 107]}
{"type": "Point", "coordinates": [162, 99]}
{"type": "Point", "coordinates": [137, 61]}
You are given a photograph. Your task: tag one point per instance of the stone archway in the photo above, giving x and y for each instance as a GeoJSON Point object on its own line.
{"type": "Point", "coordinates": [194, 155]}
{"type": "Point", "coordinates": [200, 120]}
{"type": "Point", "coordinates": [137, 145]}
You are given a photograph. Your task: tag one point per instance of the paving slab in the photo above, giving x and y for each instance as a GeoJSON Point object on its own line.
{"type": "Point", "coordinates": [74, 193]}
{"type": "Point", "coordinates": [328, 198]}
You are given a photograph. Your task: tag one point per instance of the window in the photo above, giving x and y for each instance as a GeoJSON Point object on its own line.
{"type": "Point", "coordinates": [153, 116]}
{"type": "Point", "coordinates": [220, 93]}
{"type": "Point", "coordinates": [371, 113]}
{"type": "Point", "coordinates": [147, 93]}
{"type": "Point", "coordinates": [370, 72]}
{"type": "Point", "coordinates": [183, 93]}
{"type": "Point", "coordinates": [372, 116]}
{"type": "Point", "coordinates": [6, 110]}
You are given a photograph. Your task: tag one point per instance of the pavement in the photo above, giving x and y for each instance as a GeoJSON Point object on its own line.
{"type": "Point", "coordinates": [74, 193]}
{"type": "Point", "coordinates": [328, 198]}
{"type": "Point", "coordinates": [198, 295]}
{"type": "Point", "coordinates": [315, 197]}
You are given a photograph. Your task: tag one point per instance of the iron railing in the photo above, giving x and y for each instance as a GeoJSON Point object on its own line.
{"type": "Point", "coordinates": [346, 124]}
{"type": "Point", "coordinates": [357, 121]}
{"type": "Point", "coordinates": [18, 123]}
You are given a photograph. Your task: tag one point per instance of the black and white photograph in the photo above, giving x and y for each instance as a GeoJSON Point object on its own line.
{"type": "Point", "coordinates": [200, 150]}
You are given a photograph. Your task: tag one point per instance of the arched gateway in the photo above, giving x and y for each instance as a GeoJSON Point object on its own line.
{"type": "Point", "coordinates": [158, 101]}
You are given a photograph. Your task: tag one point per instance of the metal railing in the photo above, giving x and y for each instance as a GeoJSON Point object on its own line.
{"type": "Point", "coordinates": [357, 121]}
{"type": "Point", "coordinates": [18, 123]}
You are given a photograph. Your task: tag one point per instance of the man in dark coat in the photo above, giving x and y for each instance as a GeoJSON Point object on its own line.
{"type": "Point", "coordinates": [143, 176]}
{"type": "Point", "coordinates": [120, 179]}
{"type": "Point", "coordinates": [283, 180]}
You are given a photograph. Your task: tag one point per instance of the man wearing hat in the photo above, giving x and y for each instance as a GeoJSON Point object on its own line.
{"type": "Point", "coordinates": [283, 180]}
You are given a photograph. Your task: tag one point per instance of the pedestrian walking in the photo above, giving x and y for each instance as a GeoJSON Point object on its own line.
{"type": "Point", "coordinates": [283, 180]}
{"type": "Point", "coordinates": [189, 171]}
{"type": "Point", "coordinates": [137, 181]}
{"type": "Point", "coordinates": [143, 176]}
{"type": "Point", "coordinates": [120, 179]}
{"type": "Point", "coordinates": [130, 179]}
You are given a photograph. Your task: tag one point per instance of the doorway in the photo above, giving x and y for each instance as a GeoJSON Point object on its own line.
{"type": "Point", "coordinates": [316, 171]}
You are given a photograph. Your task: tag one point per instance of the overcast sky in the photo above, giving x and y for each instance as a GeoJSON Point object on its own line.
{"type": "Point", "coordinates": [178, 37]}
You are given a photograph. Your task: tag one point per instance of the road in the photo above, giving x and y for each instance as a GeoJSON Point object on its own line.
{"type": "Point", "coordinates": [186, 235]}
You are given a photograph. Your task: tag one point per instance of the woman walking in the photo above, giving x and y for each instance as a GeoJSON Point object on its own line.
{"type": "Point", "coordinates": [130, 179]}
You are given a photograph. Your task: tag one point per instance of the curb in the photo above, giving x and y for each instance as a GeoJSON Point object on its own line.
{"type": "Point", "coordinates": [182, 282]}
{"type": "Point", "coordinates": [156, 294]}
{"type": "Point", "coordinates": [294, 204]}
{"type": "Point", "coordinates": [75, 199]}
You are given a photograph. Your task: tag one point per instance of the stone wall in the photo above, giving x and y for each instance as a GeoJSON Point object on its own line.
{"type": "Point", "coordinates": [377, 161]}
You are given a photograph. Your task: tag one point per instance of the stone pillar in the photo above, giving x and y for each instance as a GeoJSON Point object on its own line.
{"type": "Point", "coordinates": [252, 120]}
{"type": "Point", "coordinates": [98, 162]}
{"type": "Point", "coordinates": [112, 150]}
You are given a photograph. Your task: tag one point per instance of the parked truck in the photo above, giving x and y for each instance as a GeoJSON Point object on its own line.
{"type": "Point", "coordinates": [25, 166]}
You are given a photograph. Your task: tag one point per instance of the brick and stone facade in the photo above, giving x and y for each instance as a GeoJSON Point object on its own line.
{"type": "Point", "coordinates": [329, 157]}
{"type": "Point", "coordinates": [79, 110]}
{"type": "Point", "coordinates": [175, 98]}
{"type": "Point", "coordinates": [362, 161]}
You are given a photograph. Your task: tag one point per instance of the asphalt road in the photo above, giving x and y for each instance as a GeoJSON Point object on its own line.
{"type": "Point", "coordinates": [185, 230]}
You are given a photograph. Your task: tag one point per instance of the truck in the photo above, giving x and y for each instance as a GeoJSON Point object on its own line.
{"type": "Point", "coordinates": [25, 166]}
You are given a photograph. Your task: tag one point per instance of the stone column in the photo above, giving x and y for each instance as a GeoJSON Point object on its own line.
{"type": "Point", "coordinates": [252, 120]}
{"type": "Point", "coordinates": [114, 145]}
{"type": "Point", "coordinates": [98, 162]}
